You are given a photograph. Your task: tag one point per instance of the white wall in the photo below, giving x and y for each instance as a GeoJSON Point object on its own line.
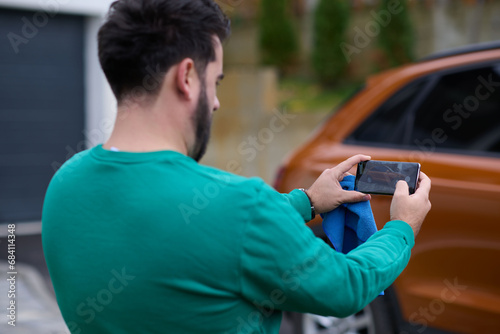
{"type": "Point", "coordinates": [83, 7]}
{"type": "Point", "coordinates": [100, 103]}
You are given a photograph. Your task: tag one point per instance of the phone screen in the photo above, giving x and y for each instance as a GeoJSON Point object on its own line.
{"type": "Point", "coordinates": [380, 177]}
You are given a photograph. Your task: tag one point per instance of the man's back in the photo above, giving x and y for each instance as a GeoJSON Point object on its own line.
{"type": "Point", "coordinates": [136, 242]}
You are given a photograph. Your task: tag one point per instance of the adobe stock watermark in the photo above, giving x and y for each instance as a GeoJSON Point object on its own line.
{"type": "Point", "coordinates": [292, 280]}
{"type": "Point", "coordinates": [31, 25]}
{"type": "Point", "coordinates": [150, 83]}
{"type": "Point", "coordinates": [363, 38]}
{"type": "Point", "coordinates": [50, 8]}
{"type": "Point", "coordinates": [264, 309]}
{"type": "Point", "coordinates": [454, 117]}
{"type": "Point", "coordinates": [249, 149]}
{"type": "Point", "coordinates": [94, 137]}
{"type": "Point", "coordinates": [97, 303]}
{"type": "Point", "coordinates": [437, 306]}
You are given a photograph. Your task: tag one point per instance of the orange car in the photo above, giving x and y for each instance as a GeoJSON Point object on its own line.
{"type": "Point", "coordinates": [443, 112]}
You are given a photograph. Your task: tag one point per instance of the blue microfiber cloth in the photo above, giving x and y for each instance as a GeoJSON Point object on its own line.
{"type": "Point", "coordinates": [350, 224]}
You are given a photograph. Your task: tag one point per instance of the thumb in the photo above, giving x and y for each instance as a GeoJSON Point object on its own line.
{"type": "Point", "coordinates": [354, 197]}
{"type": "Point", "coordinates": [402, 188]}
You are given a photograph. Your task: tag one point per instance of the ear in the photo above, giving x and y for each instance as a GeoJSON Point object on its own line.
{"type": "Point", "coordinates": [185, 78]}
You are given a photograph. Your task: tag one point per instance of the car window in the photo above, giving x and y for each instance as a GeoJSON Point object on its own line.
{"type": "Point", "coordinates": [461, 112]}
{"type": "Point", "coordinates": [388, 123]}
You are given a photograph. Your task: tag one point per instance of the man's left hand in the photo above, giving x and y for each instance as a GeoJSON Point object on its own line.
{"type": "Point", "coordinates": [326, 194]}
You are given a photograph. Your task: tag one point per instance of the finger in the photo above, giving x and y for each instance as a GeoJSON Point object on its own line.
{"type": "Point", "coordinates": [354, 197]}
{"type": "Point", "coordinates": [346, 165]}
{"type": "Point", "coordinates": [401, 189]}
{"type": "Point", "coordinates": [424, 184]}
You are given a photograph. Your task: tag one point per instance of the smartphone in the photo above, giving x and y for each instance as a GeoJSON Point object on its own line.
{"type": "Point", "coordinates": [380, 177]}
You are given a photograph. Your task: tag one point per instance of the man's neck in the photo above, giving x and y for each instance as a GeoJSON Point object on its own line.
{"type": "Point", "coordinates": [141, 131]}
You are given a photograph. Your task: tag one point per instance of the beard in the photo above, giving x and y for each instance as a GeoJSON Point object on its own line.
{"type": "Point", "coordinates": [202, 122]}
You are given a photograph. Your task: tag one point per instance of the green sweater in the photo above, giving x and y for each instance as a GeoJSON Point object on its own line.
{"type": "Point", "coordinates": [157, 243]}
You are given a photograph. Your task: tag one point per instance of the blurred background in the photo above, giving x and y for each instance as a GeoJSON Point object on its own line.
{"type": "Point", "coordinates": [293, 57]}
{"type": "Point", "coordinates": [288, 65]}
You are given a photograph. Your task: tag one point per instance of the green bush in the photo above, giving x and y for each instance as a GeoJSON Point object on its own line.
{"type": "Point", "coordinates": [277, 37]}
{"type": "Point", "coordinates": [331, 19]}
{"type": "Point", "coordinates": [397, 39]}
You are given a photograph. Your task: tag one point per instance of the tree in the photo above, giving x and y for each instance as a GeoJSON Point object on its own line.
{"type": "Point", "coordinates": [397, 39]}
{"type": "Point", "coordinates": [331, 19]}
{"type": "Point", "coordinates": [277, 38]}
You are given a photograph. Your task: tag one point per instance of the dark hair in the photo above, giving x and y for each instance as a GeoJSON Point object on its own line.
{"type": "Point", "coordinates": [142, 39]}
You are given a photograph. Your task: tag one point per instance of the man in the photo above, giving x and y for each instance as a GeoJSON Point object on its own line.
{"type": "Point", "coordinates": [140, 238]}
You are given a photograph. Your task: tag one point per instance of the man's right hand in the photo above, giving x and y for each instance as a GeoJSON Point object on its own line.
{"type": "Point", "coordinates": [412, 209]}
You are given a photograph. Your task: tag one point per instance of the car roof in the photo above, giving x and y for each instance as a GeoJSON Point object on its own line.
{"type": "Point", "coordinates": [463, 50]}
{"type": "Point", "coordinates": [410, 71]}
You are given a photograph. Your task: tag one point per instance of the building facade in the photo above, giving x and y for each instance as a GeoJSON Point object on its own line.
{"type": "Point", "coordinates": [54, 99]}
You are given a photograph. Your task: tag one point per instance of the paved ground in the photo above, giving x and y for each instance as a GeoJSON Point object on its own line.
{"type": "Point", "coordinates": [36, 309]}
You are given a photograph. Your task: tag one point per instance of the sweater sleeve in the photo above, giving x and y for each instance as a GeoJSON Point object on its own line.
{"type": "Point", "coordinates": [299, 200]}
{"type": "Point", "coordinates": [285, 267]}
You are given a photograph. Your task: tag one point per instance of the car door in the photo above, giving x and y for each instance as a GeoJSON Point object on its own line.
{"type": "Point", "coordinates": [449, 122]}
